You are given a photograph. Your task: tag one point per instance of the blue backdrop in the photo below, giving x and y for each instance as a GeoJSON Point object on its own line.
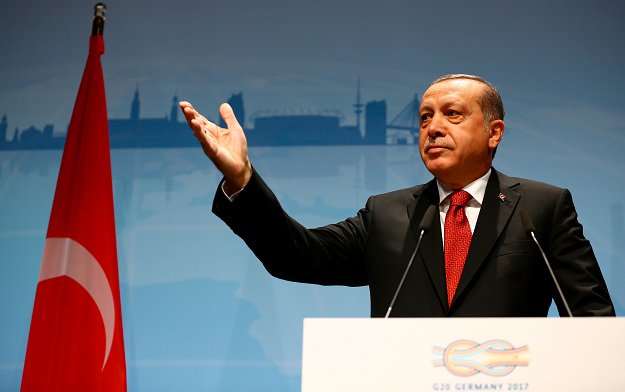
{"type": "Point", "coordinates": [199, 311]}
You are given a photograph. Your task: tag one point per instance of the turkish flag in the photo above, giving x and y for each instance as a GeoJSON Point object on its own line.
{"type": "Point", "coordinates": [76, 340]}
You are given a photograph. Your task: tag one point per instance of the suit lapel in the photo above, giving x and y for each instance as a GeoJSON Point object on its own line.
{"type": "Point", "coordinates": [497, 207]}
{"type": "Point", "coordinates": [431, 249]}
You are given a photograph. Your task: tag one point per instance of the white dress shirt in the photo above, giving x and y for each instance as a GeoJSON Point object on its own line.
{"type": "Point", "coordinates": [476, 189]}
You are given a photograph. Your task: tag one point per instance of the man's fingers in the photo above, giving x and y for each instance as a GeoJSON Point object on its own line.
{"type": "Point", "coordinates": [228, 115]}
{"type": "Point", "coordinates": [203, 131]}
{"type": "Point", "coordinates": [188, 110]}
{"type": "Point", "coordinates": [191, 114]}
{"type": "Point", "coordinates": [207, 140]}
{"type": "Point", "coordinates": [227, 148]}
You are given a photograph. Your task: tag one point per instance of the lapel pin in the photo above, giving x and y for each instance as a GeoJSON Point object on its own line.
{"type": "Point", "coordinates": [502, 197]}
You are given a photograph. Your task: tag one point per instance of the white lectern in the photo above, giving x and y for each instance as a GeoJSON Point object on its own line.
{"type": "Point", "coordinates": [464, 354]}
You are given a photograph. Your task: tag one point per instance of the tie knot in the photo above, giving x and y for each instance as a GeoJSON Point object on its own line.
{"type": "Point", "coordinates": [460, 198]}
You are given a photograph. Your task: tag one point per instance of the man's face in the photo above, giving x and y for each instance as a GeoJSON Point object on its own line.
{"type": "Point", "coordinates": [454, 143]}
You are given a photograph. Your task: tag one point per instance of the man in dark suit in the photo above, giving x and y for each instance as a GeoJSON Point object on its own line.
{"type": "Point", "coordinates": [476, 260]}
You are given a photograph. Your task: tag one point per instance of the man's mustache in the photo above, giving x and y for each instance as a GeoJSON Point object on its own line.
{"type": "Point", "coordinates": [437, 142]}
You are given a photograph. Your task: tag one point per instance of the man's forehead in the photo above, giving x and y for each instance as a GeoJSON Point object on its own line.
{"type": "Point", "coordinates": [454, 88]}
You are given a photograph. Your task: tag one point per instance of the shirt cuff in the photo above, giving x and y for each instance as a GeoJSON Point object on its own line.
{"type": "Point", "coordinates": [232, 197]}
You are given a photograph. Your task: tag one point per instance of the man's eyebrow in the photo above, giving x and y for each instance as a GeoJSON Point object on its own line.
{"type": "Point", "coordinates": [424, 106]}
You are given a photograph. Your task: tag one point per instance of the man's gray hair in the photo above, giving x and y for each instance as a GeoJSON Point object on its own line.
{"type": "Point", "coordinates": [490, 102]}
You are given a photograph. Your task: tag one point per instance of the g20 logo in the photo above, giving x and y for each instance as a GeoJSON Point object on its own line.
{"type": "Point", "coordinates": [466, 358]}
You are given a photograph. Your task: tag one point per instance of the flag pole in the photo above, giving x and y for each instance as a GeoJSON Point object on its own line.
{"type": "Point", "coordinates": [99, 16]}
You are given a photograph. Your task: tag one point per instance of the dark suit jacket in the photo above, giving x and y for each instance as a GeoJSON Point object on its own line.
{"type": "Point", "coordinates": [504, 274]}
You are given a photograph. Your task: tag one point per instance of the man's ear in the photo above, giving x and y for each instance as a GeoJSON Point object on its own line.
{"type": "Point", "coordinates": [496, 130]}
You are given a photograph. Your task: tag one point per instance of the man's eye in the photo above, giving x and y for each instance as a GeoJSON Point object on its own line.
{"type": "Point", "coordinates": [453, 113]}
{"type": "Point", "coordinates": [425, 117]}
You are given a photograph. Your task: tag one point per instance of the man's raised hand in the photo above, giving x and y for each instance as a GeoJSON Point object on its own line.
{"type": "Point", "coordinates": [226, 147]}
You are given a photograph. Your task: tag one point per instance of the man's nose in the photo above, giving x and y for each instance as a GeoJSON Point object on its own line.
{"type": "Point", "coordinates": [436, 126]}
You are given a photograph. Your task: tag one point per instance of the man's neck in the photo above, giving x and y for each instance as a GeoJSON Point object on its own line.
{"type": "Point", "coordinates": [454, 184]}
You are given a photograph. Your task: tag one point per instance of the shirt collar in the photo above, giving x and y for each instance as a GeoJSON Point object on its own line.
{"type": "Point", "coordinates": [476, 189]}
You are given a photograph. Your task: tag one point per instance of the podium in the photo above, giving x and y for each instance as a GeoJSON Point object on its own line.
{"type": "Point", "coordinates": [464, 354]}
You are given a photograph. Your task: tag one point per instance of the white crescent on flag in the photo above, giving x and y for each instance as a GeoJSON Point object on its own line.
{"type": "Point", "coordinates": [66, 257]}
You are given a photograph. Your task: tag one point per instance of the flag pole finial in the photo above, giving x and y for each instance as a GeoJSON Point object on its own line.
{"type": "Point", "coordinates": [99, 16]}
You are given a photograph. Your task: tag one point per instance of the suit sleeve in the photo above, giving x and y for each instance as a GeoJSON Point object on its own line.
{"type": "Point", "coordinates": [575, 264]}
{"type": "Point", "coordinates": [329, 255]}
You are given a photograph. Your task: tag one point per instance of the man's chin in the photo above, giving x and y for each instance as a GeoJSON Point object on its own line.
{"type": "Point", "coordinates": [437, 167]}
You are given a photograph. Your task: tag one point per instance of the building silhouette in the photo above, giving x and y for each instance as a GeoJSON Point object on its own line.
{"type": "Point", "coordinates": [264, 129]}
{"type": "Point", "coordinates": [375, 123]}
{"type": "Point", "coordinates": [236, 102]}
{"type": "Point", "coordinates": [4, 126]}
{"type": "Point", "coordinates": [137, 132]}
{"type": "Point", "coordinates": [302, 130]}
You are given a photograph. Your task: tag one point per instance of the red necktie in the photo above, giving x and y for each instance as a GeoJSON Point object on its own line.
{"type": "Point", "coordinates": [457, 240]}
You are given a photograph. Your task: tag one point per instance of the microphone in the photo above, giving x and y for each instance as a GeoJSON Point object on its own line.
{"type": "Point", "coordinates": [424, 226]}
{"type": "Point", "coordinates": [531, 230]}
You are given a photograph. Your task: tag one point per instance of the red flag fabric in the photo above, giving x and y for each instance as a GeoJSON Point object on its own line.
{"type": "Point", "coordinates": [76, 339]}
